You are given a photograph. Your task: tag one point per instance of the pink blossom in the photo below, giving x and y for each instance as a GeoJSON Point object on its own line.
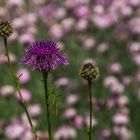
{"type": "Point", "coordinates": [72, 99]}
{"type": "Point", "coordinates": [122, 132]}
{"type": "Point", "coordinates": [3, 58]}
{"type": "Point", "coordinates": [14, 130]}
{"type": "Point", "coordinates": [79, 121]}
{"type": "Point", "coordinates": [105, 20]}
{"type": "Point", "coordinates": [6, 90]}
{"type": "Point", "coordinates": [87, 121]}
{"type": "Point", "coordinates": [25, 94]}
{"type": "Point", "coordinates": [65, 132]}
{"type": "Point", "coordinates": [134, 46]}
{"type": "Point", "coordinates": [18, 3]}
{"type": "Point", "coordinates": [115, 67]}
{"type": "Point", "coordinates": [34, 110]}
{"type": "Point", "coordinates": [62, 81]}
{"type": "Point", "coordinates": [120, 119]}
{"type": "Point", "coordinates": [102, 47]}
{"type": "Point", "coordinates": [81, 25]}
{"type": "Point", "coordinates": [69, 113]}
{"type": "Point", "coordinates": [24, 75]}
{"type": "Point", "coordinates": [134, 25]}
{"type": "Point", "coordinates": [26, 38]}
{"type": "Point", "coordinates": [56, 31]}
{"type": "Point", "coordinates": [82, 11]}
{"type": "Point", "coordinates": [60, 13]}
{"type": "Point", "coordinates": [68, 24]}
{"type": "Point", "coordinates": [123, 101]}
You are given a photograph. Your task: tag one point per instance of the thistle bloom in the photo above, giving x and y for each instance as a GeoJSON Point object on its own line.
{"type": "Point", "coordinates": [44, 56]}
{"type": "Point", "coordinates": [5, 29]}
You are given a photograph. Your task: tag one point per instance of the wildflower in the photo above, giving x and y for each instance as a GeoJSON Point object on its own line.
{"type": "Point", "coordinates": [5, 29]}
{"type": "Point", "coordinates": [44, 56]}
{"type": "Point", "coordinates": [89, 71]}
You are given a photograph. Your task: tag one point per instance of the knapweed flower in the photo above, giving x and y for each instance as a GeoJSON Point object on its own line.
{"type": "Point", "coordinates": [5, 29]}
{"type": "Point", "coordinates": [89, 71]}
{"type": "Point", "coordinates": [44, 56]}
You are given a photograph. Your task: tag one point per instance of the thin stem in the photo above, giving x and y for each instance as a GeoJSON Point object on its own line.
{"type": "Point", "coordinates": [90, 102]}
{"type": "Point", "coordinates": [18, 88]}
{"type": "Point", "coordinates": [45, 77]}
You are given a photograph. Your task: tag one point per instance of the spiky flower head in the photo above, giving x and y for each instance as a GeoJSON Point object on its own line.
{"type": "Point", "coordinates": [44, 56]}
{"type": "Point", "coordinates": [89, 71]}
{"type": "Point", "coordinates": [5, 29]}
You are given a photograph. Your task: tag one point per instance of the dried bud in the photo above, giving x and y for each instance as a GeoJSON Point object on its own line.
{"type": "Point", "coordinates": [5, 29]}
{"type": "Point", "coordinates": [89, 71]}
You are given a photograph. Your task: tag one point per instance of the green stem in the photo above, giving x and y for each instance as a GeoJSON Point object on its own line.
{"type": "Point", "coordinates": [45, 77]}
{"type": "Point", "coordinates": [90, 102]}
{"type": "Point", "coordinates": [18, 88]}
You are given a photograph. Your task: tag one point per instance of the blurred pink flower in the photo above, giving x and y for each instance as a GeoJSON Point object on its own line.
{"type": "Point", "coordinates": [18, 23]}
{"type": "Point", "coordinates": [127, 80]}
{"type": "Point", "coordinates": [26, 38]}
{"type": "Point", "coordinates": [134, 25]}
{"type": "Point", "coordinates": [6, 90]}
{"type": "Point", "coordinates": [68, 24]}
{"type": "Point", "coordinates": [102, 47]}
{"type": "Point", "coordinates": [87, 121]}
{"type": "Point", "coordinates": [74, 3]}
{"type": "Point", "coordinates": [123, 101]}
{"type": "Point", "coordinates": [25, 94]}
{"type": "Point", "coordinates": [56, 31]}
{"type": "Point", "coordinates": [105, 20]}
{"type": "Point", "coordinates": [14, 130]}
{"type": "Point", "coordinates": [98, 9]}
{"type": "Point", "coordinates": [82, 11]}
{"type": "Point", "coordinates": [81, 25]}
{"type": "Point", "coordinates": [62, 81]}
{"type": "Point", "coordinates": [126, 10]}
{"type": "Point", "coordinates": [114, 85]}
{"type": "Point", "coordinates": [136, 59]}
{"type": "Point", "coordinates": [65, 132]}
{"type": "Point", "coordinates": [120, 119]}
{"type": "Point", "coordinates": [3, 58]}
{"type": "Point", "coordinates": [111, 102]}
{"type": "Point", "coordinates": [72, 99]}
{"type": "Point", "coordinates": [60, 13]}
{"type": "Point", "coordinates": [133, 2]}
{"type": "Point", "coordinates": [2, 12]}
{"type": "Point", "coordinates": [115, 67]}
{"type": "Point", "coordinates": [89, 43]}
{"type": "Point", "coordinates": [27, 135]}
{"type": "Point", "coordinates": [123, 133]}
{"type": "Point", "coordinates": [34, 110]}
{"type": "Point", "coordinates": [79, 121]}
{"type": "Point", "coordinates": [69, 113]}
{"type": "Point", "coordinates": [105, 133]}
{"type": "Point", "coordinates": [42, 135]}
{"type": "Point", "coordinates": [134, 46]}
{"type": "Point", "coordinates": [24, 75]}
{"type": "Point", "coordinates": [17, 3]}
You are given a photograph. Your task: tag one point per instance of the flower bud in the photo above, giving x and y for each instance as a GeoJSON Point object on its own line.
{"type": "Point", "coordinates": [89, 71]}
{"type": "Point", "coordinates": [5, 29]}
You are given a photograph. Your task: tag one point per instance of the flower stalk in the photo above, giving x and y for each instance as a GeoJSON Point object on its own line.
{"type": "Point", "coordinates": [91, 110]}
{"type": "Point", "coordinates": [16, 80]}
{"type": "Point", "coordinates": [89, 72]}
{"type": "Point", "coordinates": [45, 78]}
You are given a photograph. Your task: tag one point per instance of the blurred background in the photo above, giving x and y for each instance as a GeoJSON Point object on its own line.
{"type": "Point", "coordinates": [107, 31]}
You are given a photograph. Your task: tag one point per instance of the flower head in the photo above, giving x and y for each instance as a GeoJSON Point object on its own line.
{"type": "Point", "coordinates": [44, 55]}
{"type": "Point", "coordinates": [89, 71]}
{"type": "Point", "coordinates": [5, 29]}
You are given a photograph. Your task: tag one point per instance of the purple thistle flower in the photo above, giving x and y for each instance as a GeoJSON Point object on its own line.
{"type": "Point", "coordinates": [44, 55]}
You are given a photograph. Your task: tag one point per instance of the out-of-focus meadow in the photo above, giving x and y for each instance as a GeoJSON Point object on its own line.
{"type": "Point", "coordinates": [107, 31]}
